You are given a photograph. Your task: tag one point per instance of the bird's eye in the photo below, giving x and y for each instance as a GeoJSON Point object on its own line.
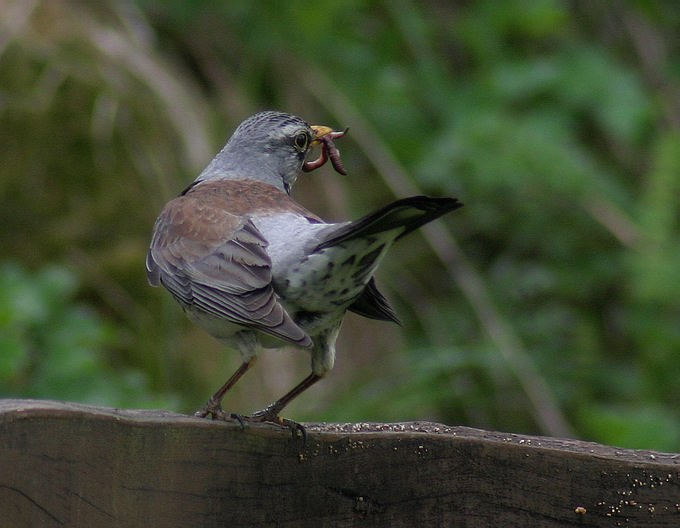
{"type": "Point", "coordinates": [301, 141]}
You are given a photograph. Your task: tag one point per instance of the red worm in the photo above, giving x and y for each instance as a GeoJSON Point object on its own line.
{"type": "Point", "coordinates": [328, 151]}
{"type": "Point", "coordinates": [333, 152]}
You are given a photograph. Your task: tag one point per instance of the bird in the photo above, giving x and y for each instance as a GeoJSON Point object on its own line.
{"type": "Point", "coordinates": [257, 270]}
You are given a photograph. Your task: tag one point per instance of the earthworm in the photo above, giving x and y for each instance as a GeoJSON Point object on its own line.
{"type": "Point", "coordinates": [328, 151]}
{"type": "Point", "coordinates": [333, 152]}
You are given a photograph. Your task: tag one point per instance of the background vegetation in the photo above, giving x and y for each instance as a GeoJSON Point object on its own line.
{"type": "Point", "coordinates": [550, 304]}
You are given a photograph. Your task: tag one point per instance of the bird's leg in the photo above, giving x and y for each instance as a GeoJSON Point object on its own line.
{"type": "Point", "coordinates": [213, 406]}
{"type": "Point", "coordinates": [271, 413]}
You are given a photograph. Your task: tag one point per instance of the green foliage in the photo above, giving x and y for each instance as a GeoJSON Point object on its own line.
{"type": "Point", "coordinates": [549, 304]}
{"type": "Point", "coordinates": [52, 347]}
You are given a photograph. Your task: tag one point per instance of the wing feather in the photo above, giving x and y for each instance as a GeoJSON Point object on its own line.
{"type": "Point", "coordinates": [216, 262]}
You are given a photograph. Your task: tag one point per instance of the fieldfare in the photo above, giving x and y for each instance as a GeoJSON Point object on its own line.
{"type": "Point", "coordinates": [257, 270]}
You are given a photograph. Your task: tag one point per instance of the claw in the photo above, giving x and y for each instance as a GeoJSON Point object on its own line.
{"type": "Point", "coordinates": [212, 409]}
{"type": "Point", "coordinates": [270, 416]}
{"type": "Point", "coordinates": [303, 432]}
{"type": "Point", "coordinates": [217, 413]}
{"type": "Point", "coordinates": [239, 419]}
{"type": "Point", "coordinates": [294, 428]}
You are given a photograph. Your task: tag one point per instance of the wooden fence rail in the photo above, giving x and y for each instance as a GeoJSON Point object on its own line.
{"type": "Point", "coordinates": [64, 464]}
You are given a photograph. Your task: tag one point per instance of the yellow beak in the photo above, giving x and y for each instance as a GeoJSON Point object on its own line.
{"type": "Point", "coordinates": [319, 132]}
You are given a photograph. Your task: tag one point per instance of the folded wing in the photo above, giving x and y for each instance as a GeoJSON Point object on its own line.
{"type": "Point", "coordinates": [216, 262]}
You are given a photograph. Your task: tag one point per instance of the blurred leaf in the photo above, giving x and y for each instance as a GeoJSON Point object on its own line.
{"type": "Point", "coordinates": [651, 427]}
{"type": "Point", "coordinates": [655, 265]}
{"type": "Point", "coordinates": [52, 347]}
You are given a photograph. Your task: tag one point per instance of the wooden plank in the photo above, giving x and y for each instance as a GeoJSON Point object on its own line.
{"type": "Point", "coordinates": [64, 464]}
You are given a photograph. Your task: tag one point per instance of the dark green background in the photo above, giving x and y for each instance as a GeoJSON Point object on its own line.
{"type": "Point", "coordinates": [549, 304]}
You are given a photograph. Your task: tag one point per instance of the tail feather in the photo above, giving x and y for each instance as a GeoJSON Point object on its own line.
{"type": "Point", "coordinates": [372, 304]}
{"type": "Point", "coordinates": [408, 214]}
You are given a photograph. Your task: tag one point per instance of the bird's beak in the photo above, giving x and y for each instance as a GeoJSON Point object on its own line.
{"type": "Point", "coordinates": [319, 132]}
{"type": "Point", "coordinates": [324, 136]}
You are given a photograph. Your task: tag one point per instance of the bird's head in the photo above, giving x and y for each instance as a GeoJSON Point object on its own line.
{"type": "Point", "coordinates": [271, 147]}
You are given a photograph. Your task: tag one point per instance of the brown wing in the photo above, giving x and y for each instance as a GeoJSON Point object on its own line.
{"type": "Point", "coordinates": [217, 262]}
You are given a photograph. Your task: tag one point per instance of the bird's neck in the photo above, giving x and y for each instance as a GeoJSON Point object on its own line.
{"type": "Point", "coordinates": [229, 165]}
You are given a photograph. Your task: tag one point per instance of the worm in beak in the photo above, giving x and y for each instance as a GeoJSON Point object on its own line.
{"type": "Point", "coordinates": [325, 136]}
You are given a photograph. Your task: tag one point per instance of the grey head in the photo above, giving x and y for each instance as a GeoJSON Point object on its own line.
{"type": "Point", "coordinates": [269, 146]}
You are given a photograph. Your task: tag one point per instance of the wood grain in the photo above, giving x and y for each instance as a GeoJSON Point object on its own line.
{"type": "Point", "coordinates": [64, 464]}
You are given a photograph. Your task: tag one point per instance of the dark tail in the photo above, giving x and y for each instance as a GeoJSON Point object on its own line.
{"type": "Point", "coordinates": [408, 214]}
{"type": "Point", "coordinates": [372, 304]}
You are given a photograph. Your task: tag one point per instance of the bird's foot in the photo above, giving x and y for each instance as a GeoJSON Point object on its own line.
{"type": "Point", "coordinates": [214, 410]}
{"type": "Point", "coordinates": [271, 415]}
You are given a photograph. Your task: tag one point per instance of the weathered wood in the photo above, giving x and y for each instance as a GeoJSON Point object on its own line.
{"type": "Point", "coordinates": [73, 465]}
